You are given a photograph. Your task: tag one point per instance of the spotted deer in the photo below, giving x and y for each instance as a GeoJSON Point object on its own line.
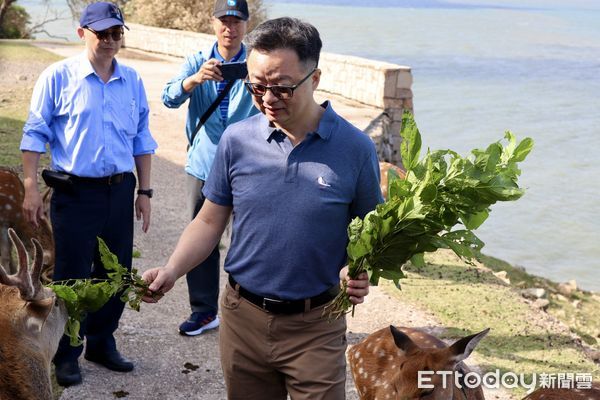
{"type": "Point", "coordinates": [386, 365]}
{"type": "Point", "coordinates": [12, 194]}
{"type": "Point", "coordinates": [32, 321]}
{"type": "Point", "coordinates": [384, 168]}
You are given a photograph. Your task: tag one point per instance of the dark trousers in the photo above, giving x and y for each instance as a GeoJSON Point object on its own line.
{"type": "Point", "coordinates": [203, 280]}
{"type": "Point", "coordinates": [92, 210]}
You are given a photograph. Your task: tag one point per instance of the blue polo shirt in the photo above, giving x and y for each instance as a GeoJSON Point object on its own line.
{"type": "Point", "coordinates": [292, 205]}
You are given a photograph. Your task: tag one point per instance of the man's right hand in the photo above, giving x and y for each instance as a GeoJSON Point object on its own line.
{"type": "Point", "coordinates": [209, 72]}
{"type": "Point", "coordinates": [32, 205]}
{"type": "Point", "coordinates": [161, 280]}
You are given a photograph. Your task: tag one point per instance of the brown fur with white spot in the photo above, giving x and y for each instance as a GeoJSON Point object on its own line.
{"type": "Point", "coordinates": [566, 394]}
{"type": "Point", "coordinates": [32, 321]}
{"type": "Point", "coordinates": [384, 168]}
{"type": "Point", "coordinates": [12, 194]}
{"type": "Point", "coordinates": [385, 365]}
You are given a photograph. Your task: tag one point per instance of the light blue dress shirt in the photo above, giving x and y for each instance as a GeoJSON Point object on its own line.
{"type": "Point", "coordinates": [94, 129]}
{"type": "Point", "coordinates": [202, 152]}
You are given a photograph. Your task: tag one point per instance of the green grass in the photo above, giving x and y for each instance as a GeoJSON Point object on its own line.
{"type": "Point", "coordinates": [15, 95]}
{"type": "Point", "coordinates": [467, 300]}
{"type": "Point", "coordinates": [18, 51]}
{"type": "Point", "coordinates": [580, 311]}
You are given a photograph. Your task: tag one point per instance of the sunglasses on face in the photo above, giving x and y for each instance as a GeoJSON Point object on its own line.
{"type": "Point", "coordinates": [282, 92]}
{"type": "Point", "coordinates": [116, 34]}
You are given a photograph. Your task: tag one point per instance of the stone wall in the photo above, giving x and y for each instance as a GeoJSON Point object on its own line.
{"type": "Point", "coordinates": [374, 83]}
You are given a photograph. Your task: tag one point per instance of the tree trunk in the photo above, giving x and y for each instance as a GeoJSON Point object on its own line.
{"type": "Point", "coordinates": [4, 6]}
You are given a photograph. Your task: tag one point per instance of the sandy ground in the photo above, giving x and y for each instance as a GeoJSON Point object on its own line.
{"type": "Point", "coordinates": [170, 366]}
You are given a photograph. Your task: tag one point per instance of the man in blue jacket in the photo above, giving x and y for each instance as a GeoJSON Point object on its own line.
{"type": "Point", "coordinates": [201, 81]}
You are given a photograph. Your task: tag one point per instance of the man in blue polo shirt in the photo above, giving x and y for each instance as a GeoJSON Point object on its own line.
{"type": "Point", "coordinates": [93, 113]}
{"type": "Point", "coordinates": [293, 177]}
{"type": "Point", "coordinates": [201, 82]}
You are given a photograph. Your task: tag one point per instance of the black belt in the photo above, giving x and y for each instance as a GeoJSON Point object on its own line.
{"type": "Point", "coordinates": [105, 180]}
{"type": "Point", "coordinates": [278, 306]}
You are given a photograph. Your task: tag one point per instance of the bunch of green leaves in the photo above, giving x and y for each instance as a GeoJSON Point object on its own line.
{"type": "Point", "coordinates": [83, 296]}
{"type": "Point", "coordinates": [442, 199]}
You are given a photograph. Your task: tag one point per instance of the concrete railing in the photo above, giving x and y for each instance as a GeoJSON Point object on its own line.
{"type": "Point", "coordinates": [377, 84]}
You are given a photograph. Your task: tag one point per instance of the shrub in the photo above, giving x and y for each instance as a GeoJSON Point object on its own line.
{"type": "Point", "coordinates": [188, 15]}
{"type": "Point", "coordinates": [14, 23]}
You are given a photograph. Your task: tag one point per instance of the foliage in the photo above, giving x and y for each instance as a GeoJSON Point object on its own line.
{"type": "Point", "coordinates": [82, 296]}
{"type": "Point", "coordinates": [187, 15]}
{"type": "Point", "coordinates": [14, 23]}
{"type": "Point", "coordinates": [440, 191]}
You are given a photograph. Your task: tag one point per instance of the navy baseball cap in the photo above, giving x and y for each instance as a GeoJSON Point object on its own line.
{"type": "Point", "coordinates": [101, 16]}
{"type": "Point", "coordinates": [235, 8]}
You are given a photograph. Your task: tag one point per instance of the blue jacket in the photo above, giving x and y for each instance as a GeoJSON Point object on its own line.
{"type": "Point", "coordinates": [202, 152]}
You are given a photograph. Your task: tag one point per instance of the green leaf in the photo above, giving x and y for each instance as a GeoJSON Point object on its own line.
{"type": "Point", "coordinates": [410, 148]}
{"type": "Point", "coordinates": [474, 221]}
{"type": "Point", "coordinates": [418, 260]}
{"type": "Point", "coordinates": [522, 150]}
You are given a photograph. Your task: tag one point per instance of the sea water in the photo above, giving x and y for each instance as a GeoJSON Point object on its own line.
{"type": "Point", "coordinates": [480, 68]}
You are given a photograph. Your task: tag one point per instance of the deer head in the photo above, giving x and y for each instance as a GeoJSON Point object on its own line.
{"type": "Point", "coordinates": [384, 168]}
{"type": "Point", "coordinates": [32, 321]}
{"type": "Point", "coordinates": [406, 364]}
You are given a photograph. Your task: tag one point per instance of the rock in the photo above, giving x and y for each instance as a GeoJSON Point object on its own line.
{"type": "Point", "coordinates": [533, 293]}
{"type": "Point", "coordinates": [21, 77]}
{"type": "Point", "coordinates": [560, 297]}
{"type": "Point", "coordinates": [542, 304]}
{"type": "Point", "coordinates": [502, 275]}
{"type": "Point", "coordinates": [568, 288]}
{"type": "Point", "coordinates": [576, 303]}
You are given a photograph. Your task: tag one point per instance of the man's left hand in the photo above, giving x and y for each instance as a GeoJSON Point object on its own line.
{"type": "Point", "coordinates": [357, 288]}
{"type": "Point", "coordinates": [142, 210]}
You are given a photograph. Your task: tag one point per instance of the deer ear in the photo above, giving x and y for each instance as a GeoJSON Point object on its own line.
{"type": "Point", "coordinates": [37, 313]}
{"type": "Point", "coordinates": [402, 340]}
{"type": "Point", "coordinates": [465, 346]}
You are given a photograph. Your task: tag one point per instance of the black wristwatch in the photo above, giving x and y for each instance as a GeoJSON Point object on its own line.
{"type": "Point", "coordinates": [147, 192]}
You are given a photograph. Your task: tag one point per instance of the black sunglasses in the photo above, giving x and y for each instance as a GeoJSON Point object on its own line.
{"type": "Point", "coordinates": [116, 35]}
{"type": "Point", "coordinates": [282, 92]}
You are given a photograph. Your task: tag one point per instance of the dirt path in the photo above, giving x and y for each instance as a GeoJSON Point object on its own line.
{"type": "Point", "coordinates": [170, 366]}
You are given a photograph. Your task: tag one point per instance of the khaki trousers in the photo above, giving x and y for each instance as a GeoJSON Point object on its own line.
{"type": "Point", "coordinates": [265, 356]}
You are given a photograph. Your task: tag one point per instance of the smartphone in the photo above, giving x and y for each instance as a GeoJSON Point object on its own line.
{"type": "Point", "coordinates": [234, 70]}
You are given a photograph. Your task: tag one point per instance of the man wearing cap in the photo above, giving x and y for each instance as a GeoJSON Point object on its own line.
{"type": "Point", "coordinates": [201, 81]}
{"type": "Point", "coordinates": [93, 113]}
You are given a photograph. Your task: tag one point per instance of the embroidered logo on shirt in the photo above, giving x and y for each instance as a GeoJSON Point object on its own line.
{"type": "Point", "coordinates": [322, 182]}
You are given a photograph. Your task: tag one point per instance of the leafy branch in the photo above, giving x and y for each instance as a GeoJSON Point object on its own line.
{"type": "Point", "coordinates": [82, 296]}
{"type": "Point", "coordinates": [442, 190]}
